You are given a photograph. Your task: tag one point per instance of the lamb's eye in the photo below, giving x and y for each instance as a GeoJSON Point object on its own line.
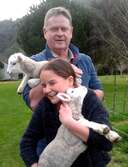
{"type": "Point", "coordinates": [13, 64]}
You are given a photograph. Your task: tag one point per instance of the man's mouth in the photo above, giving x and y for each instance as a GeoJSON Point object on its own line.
{"type": "Point", "coordinates": [59, 40]}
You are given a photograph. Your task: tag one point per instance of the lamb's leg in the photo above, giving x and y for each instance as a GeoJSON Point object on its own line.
{"type": "Point", "coordinates": [22, 84]}
{"type": "Point", "coordinates": [33, 82]}
{"type": "Point", "coordinates": [97, 127]}
{"type": "Point", "coordinates": [101, 129]}
{"type": "Point", "coordinates": [113, 136]}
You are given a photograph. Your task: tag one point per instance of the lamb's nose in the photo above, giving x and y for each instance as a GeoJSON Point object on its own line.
{"type": "Point", "coordinates": [8, 71]}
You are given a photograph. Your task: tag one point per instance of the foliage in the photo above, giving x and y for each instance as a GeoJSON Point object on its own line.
{"type": "Point", "coordinates": [108, 33]}
{"type": "Point", "coordinates": [8, 33]}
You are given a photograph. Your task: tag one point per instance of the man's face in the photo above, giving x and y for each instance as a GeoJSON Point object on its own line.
{"type": "Point", "coordinates": [58, 33]}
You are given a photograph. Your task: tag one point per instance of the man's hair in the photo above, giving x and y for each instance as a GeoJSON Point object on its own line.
{"type": "Point", "coordinates": [56, 12]}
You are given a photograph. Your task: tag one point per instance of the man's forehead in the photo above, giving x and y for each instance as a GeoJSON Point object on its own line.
{"type": "Point", "coordinates": [58, 20]}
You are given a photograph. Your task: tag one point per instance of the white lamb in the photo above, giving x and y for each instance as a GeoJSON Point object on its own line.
{"type": "Point", "coordinates": [19, 63]}
{"type": "Point", "coordinates": [66, 147]}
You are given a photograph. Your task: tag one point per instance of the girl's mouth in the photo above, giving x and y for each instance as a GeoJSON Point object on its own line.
{"type": "Point", "coordinates": [51, 94]}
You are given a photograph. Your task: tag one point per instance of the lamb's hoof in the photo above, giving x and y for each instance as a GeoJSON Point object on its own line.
{"type": "Point", "coordinates": [106, 130]}
{"type": "Point", "coordinates": [117, 139]}
{"type": "Point", "coordinates": [19, 93]}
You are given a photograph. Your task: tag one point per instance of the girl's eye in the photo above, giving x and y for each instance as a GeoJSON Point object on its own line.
{"type": "Point", "coordinates": [51, 83]}
{"type": "Point", "coordinates": [43, 85]}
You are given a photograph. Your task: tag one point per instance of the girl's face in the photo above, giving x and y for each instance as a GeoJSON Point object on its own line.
{"type": "Point", "coordinates": [53, 84]}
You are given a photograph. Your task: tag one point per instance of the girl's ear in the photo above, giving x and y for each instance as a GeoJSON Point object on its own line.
{"type": "Point", "coordinates": [71, 80]}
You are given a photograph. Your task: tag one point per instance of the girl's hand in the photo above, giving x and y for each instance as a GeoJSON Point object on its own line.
{"type": "Point", "coordinates": [34, 165]}
{"type": "Point", "coordinates": [65, 114]}
{"type": "Point", "coordinates": [76, 127]}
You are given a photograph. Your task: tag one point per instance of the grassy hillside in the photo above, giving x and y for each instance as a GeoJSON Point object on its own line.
{"type": "Point", "coordinates": [15, 116]}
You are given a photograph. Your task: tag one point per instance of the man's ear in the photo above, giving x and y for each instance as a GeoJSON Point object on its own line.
{"type": "Point", "coordinates": [44, 32]}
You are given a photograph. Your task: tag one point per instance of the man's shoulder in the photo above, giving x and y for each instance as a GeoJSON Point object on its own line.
{"type": "Point", "coordinates": [84, 56]}
{"type": "Point", "coordinates": [39, 56]}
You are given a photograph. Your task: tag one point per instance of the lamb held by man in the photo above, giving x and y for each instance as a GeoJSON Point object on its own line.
{"type": "Point", "coordinates": [19, 63]}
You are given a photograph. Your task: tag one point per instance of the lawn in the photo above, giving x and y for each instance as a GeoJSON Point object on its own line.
{"type": "Point", "coordinates": [15, 116]}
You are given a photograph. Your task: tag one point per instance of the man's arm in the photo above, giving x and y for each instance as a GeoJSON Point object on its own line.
{"type": "Point", "coordinates": [99, 94]}
{"type": "Point", "coordinates": [35, 95]}
{"type": "Point", "coordinates": [95, 83]}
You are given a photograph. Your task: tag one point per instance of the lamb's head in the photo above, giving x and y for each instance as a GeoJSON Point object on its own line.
{"type": "Point", "coordinates": [77, 93]}
{"type": "Point", "coordinates": [13, 63]}
{"type": "Point", "coordinates": [73, 94]}
{"type": "Point", "coordinates": [75, 97]}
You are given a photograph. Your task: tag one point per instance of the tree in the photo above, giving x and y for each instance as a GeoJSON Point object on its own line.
{"type": "Point", "coordinates": [8, 33]}
{"type": "Point", "coordinates": [108, 32]}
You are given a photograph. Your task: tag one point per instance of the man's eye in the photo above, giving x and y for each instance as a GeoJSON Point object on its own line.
{"type": "Point", "coordinates": [53, 29]}
{"type": "Point", "coordinates": [64, 29]}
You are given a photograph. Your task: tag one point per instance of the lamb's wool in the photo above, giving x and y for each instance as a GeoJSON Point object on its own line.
{"type": "Point", "coordinates": [66, 147]}
{"type": "Point", "coordinates": [19, 63]}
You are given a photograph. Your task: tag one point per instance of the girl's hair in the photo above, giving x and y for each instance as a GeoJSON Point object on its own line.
{"type": "Point", "coordinates": [61, 68]}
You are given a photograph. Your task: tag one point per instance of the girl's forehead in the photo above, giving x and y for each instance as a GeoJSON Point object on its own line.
{"type": "Point", "coordinates": [45, 74]}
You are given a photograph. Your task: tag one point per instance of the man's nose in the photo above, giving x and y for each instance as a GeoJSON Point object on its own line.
{"type": "Point", "coordinates": [60, 32]}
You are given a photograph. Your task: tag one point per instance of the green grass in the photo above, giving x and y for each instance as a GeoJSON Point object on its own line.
{"type": "Point", "coordinates": [118, 116]}
{"type": "Point", "coordinates": [14, 117]}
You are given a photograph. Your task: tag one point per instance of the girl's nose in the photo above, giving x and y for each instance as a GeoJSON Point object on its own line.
{"type": "Point", "coordinates": [47, 89]}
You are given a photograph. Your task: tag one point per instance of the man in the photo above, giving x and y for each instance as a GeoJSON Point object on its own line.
{"type": "Point", "coordinates": [58, 32]}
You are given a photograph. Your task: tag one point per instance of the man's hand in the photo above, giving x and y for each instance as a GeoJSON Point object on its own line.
{"type": "Point", "coordinates": [35, 95]}
{"type": "Point", "coordinates": [99, 94]}
{"type": "Point", "coordinates": [77, 70]}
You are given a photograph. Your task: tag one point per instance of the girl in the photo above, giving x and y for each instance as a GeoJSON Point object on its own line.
{"type": "Point", "coordinates": [57, 76]}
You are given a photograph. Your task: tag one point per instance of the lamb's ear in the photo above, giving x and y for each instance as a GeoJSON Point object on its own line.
{"type": "Point", "coordinates": [64, 97]}
{"type": "Point", "coordinates": [19, 57]}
